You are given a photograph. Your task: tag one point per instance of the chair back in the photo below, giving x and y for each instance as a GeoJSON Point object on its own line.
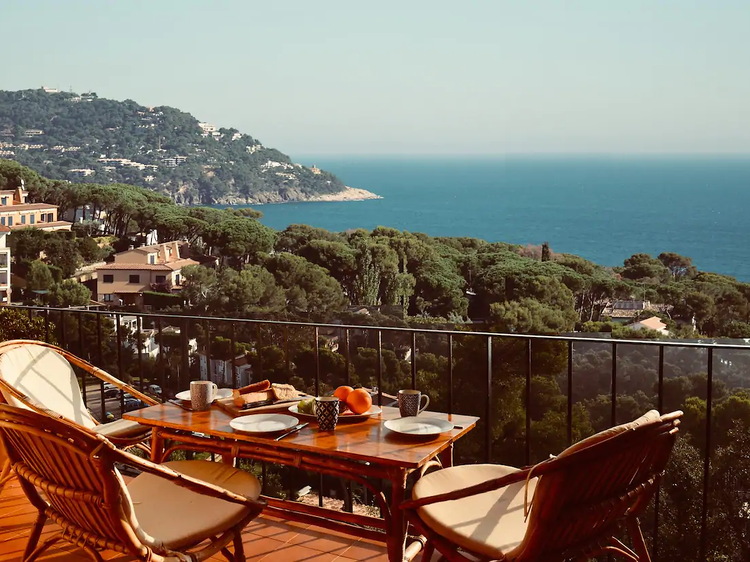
{"type": "Point", "coordinates": [74, 468]}
{"type": "Point", "coordinates": [35, 374]}
{"type": "Point", "coordinates": [585, 493]}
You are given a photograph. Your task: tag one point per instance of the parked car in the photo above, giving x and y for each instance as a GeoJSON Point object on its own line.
{"type": "Point", "coordinates": [131, 403]}
{"type": "Point", "coordinates": [111, 391]}
{"type": "Point", "coordinates": [154, 389]}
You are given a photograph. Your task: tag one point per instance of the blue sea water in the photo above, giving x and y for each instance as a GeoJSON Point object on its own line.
{"type": "Point", "coordinates": [602, 208]}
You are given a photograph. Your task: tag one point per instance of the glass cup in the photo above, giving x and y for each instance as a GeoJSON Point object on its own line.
{"type": "Point", "coordinates": [327, 412]}
{"type": "Point", "coordinates": [202, 394]}
{"type": "Point", "coordinates": [410, 403]}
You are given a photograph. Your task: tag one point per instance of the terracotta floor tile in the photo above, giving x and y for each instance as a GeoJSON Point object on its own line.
{"type": "Point", "coordinates": [270, 539]}
{"type": "Point", "coordinates": [323, 540]}
{"type": "Point", "coordinates": [257, 548]}
{"type": "Point", "coordinates": [371, 552]}
{"type": "Point", "coordinates": [299, 553]}
{"type": "Point", "coordinates": [278, 530]}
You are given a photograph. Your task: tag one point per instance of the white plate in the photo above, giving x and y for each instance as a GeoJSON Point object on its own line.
{"type": "Point", "coordinates": [345, 417]}
{"type": "Point", "coordinates": [418, 425]}
{"type": "Point", "coordinates": [263, 423]}
{"type": "Point", "coordinates": [221, 393]}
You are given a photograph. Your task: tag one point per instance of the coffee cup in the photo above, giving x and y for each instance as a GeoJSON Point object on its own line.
{"type": "Point", "coordinates": [410, 403]}
{"type": "Point", "coordinates": [202, 394]}
{"type": "Point", "coordinates": [327, 412]}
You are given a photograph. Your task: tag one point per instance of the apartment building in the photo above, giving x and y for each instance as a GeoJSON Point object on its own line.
{"type": "Point", "coordinates": [4, 266]}
{"type": "Point", "coordinates": [148, 268]}
{"type": "Point", "coordinates": [16, 212]}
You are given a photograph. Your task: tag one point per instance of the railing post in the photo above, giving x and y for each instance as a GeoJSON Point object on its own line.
{"type": "Point", "coordinates": [233, 343]}
{"type": "Point", "coordinates": [184, 378]}
{"type": "Point", "coordinates": [81, 355]}
{"type": "Point", "coordinates": [570, 393]}
{"type": "Point", "coordinates": [657, 495]}
{"type": "Point", "coordinates": [119, 361]}
{"type": "Point", "coordinates": [614, 385]}
{"type": "Point", "coordinates": [450, 374]}
{"type": "Point", "coordinates": [99, 364]}
{"type": "Point", "coordinates": [317, 362]}
{"type": "Point", "coordinates": [707, 455]}
{"type": "Point", "coordinates": [347, 359]}
{"type": "Point", "coordinates": [488, 405]}
{"type": "Point", "coordinates": [529, 359]}
{"type": "Point", "coordinates": [139, 345]}
{"type": "Point", "coordinates": [380, 368]}
{"type": "Point", "coordinates": [162, 367]}
{"type": "Point", "coordinates": [414, 360]}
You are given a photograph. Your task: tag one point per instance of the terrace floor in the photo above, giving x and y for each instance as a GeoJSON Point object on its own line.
{"type": "Point", "coordinates": [266, 538]}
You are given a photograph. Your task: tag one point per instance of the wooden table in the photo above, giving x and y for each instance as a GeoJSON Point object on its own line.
{"type": "Point", "coordinates": [364, 452]}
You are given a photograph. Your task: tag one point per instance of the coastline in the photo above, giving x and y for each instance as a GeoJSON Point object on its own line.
{"type": "Point", "coordinates": [349, 194]}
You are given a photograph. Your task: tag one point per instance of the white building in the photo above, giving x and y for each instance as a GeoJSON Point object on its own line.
{"type": "Point", "coordinates": [221, 370]}
{"type": "Point", "coordinates": [653, 323]}
{"type": "Point", "coordinates": [81, 172]}
{"type": "Point", "coordinates": [4, 266]}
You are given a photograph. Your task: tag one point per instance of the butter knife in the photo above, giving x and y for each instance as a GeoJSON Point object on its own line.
{"type": "Point", "coordinates": [180, 404]}
{"type": "Point", "coordinates": [295, 429]}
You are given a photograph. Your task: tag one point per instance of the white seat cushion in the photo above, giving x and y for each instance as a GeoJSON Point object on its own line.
{"type": "Point", "coordinates": [46, 377]}
{"type": "Point", "coordinates": [490, 524]}
{"type": "Point", "coordinates": [122, 429]}
{"type": "Point", "coordinates": [175, 517]}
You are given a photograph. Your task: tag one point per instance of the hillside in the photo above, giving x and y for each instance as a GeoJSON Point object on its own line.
{"type": "Point", "coordinates": [86, 138]}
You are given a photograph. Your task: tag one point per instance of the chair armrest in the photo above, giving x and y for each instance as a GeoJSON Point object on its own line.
{"type": "Point", "coordinates": [184, 481]}
{"type": "Point", "coordinates": [461, 493]}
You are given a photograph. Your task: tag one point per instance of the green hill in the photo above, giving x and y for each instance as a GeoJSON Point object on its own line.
{"type": "Point", "coordinates": [86, 138]}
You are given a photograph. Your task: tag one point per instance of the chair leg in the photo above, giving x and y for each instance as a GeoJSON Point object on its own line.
{"type": "Point", "coordinates": [37, 552]}
{"type": "Point", "coordinates": [639, 545]}
{"type": "Point", "coordinates": [36, 532]}
{"type": "Point", "coordinates": [5, 474]}
{"type": "Point", "coordinates": [93, 553]}
{"type": "Point", "coordinates": [427, 552]}
{"type": "Point", "coordinates": [239, 549]}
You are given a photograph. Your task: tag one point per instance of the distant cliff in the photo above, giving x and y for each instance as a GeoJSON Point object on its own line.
{"type": "Point", "coordinates": [85, 138]}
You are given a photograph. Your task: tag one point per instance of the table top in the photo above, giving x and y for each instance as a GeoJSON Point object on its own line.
{"type": "Point", "coordinates": [367, 441]}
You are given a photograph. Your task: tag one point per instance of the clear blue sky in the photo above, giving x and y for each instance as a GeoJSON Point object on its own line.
{"type": "Point", "coordinates": [412, 76]}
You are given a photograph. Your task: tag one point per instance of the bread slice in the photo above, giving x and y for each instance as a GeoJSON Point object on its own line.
{"type": "Point", "coordinates": [242, 399]}
{"type": "Point", "coordinates": [284, 391]}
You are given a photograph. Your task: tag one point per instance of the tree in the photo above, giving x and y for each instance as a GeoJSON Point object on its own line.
{"type": "Point", "coordinates": [16, 325]}
{"type": "Point", "coordinates": [679, 266]}
{"type": "Point", "coordinates": [39, 277]}
{"type": "Point", "coordinates": [69, 293]}
{"type": "Point", "coordinates": [308, 287]}
{"type": "Point", "coordinates": [545, 251]}
{"type": "Point", "coordinates": [529, 316]}
{"type": "Point", "coordinates": [240, 240]}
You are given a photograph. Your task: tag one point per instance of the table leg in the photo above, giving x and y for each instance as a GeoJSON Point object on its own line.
{"type": "Point", "coordinates": [157, 446]}
{"type": "Point", "coordinates": [396, 541]}
{"type": "Point", "coordinates": [446, 457]}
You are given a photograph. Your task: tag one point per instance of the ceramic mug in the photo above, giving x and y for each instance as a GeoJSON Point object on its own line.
{"type": "Point", "coordinates": [202, 394]}
{"type": "Point", "coordinates": [327, 412]}
{"type": "Point", "coordinates": [410, 403]}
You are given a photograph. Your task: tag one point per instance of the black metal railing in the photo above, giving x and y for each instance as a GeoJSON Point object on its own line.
{"type": "Point", "coordinates": [486, 363]}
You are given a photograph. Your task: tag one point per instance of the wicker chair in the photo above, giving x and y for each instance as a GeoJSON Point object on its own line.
{"type": "Point", "coordinates": [39, 376]}
{"type": "Point", "coordinates": [69, 475]}
{"type": "Point", "coordinates": [569, 507]}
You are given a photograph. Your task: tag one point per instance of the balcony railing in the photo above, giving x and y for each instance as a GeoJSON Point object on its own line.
{"type": "Point", "coordinates": [535, 395]}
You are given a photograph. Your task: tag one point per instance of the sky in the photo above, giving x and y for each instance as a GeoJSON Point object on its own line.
{"type": "Point", "coordinates": [409, 77]}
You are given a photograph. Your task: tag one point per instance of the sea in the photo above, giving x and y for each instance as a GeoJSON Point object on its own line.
{"type": "Point", "coordinates": [603, 208]}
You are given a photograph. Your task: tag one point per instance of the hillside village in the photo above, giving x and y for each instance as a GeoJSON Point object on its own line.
{"type": "Point", "coordinates": [86, 138]}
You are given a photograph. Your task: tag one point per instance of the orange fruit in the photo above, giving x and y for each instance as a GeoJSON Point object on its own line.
{"type": "Point", "coordinates": [342, 393]}
{"type": "Point", "coordinates": [359, 401]}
